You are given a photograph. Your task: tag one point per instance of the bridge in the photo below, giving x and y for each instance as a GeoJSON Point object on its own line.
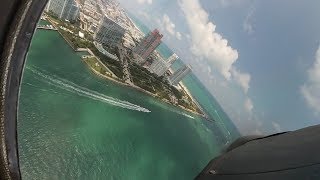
{"type": "Point", "coordinates": [47, 27]}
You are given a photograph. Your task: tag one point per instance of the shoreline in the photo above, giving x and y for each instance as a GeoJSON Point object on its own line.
{"type": "Point", "coordinates": [117, 81]}
{"type": "Point", "coordinates": [203, 114]}
{"type": "Point", "coordinates": [185, 89]}
{"type": "Point", "coordinates": [54, 25]}
{"type": "Point", "coordinates": [139, 89]}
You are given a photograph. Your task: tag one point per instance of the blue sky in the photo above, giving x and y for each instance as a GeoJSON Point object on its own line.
{"type": "Point", "coordinates": [258, 58]}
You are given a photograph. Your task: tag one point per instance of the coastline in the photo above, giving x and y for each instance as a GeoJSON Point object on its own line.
{"type": "Point", "coordinates": [54, 25]}
{"type": "Point", "coordinates": [185, 89]}
{"type": "Point", "coordinates": [139, 89]}
{"type": "Point", "coordinates": [203, 114]}
{"type": "Point", "coordinates": [117, 81]}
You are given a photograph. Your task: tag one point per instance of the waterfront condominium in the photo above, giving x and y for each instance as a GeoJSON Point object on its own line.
{"type": "Point", "coordinates": [63, 9]}
{"type": "Point", "coordinates": [90, 16]}
{"type": "Point", "coordinates": [109, 32]}
{"type": "Point", "coordinates": [178, 75]}
{"type": "Point", "coordinates": [148, 44]}
{"type": "Point", "coordinates": [160, 66]}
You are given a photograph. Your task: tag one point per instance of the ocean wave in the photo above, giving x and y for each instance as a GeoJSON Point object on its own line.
{"type": "Point", "coordinates": [85, 92]}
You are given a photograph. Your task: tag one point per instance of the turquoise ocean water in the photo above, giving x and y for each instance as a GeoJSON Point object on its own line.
{"type": "Point", "coordinates": [75, 125]}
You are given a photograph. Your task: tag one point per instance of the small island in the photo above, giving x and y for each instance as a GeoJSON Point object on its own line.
{"type": "Point", "coordinates": [119, 62]}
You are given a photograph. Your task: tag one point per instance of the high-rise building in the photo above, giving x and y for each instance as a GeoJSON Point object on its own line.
{"type": "Point", "coordinates": [90, 15]}
{"type": "Point", "coordinates": [178, 75]}
{"type": "Point", "coordinates": [55, 6]}
{"type": "Point", "coordinates": [71, 11]}
{"type": "Point", "coordinates": [148, 44]}
{"type": "Point", "coordinates": [109, 32]}
{"type": "Point", "coordinates": [63, 9]}
{"type": "Point", "coordinates": [172, 59]}
{"type": "Point", "coordinates": [160, 66]}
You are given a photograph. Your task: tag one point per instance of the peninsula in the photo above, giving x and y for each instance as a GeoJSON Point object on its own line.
{"type": "Point", "coordinates": [122, 62]}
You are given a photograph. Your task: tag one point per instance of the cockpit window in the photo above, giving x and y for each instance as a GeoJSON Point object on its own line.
{"type": "Point", "coordinates": [155, 89]}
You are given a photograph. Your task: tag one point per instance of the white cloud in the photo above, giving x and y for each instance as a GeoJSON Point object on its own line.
{"type": "Point", "coordinates": [227, 3]}
{"type": "Point", "coordinates": [248, 26]}
{"type": "Point", "coordinates": [214, 51]}
{"type": "Point", "coordinates": [178, 35]}
{"type": "Point", "coordinates": [169, 26]}
{"type": "Point", "coordinates": [243, 79]}
{"type": "Point", "coordinates": [144, 1]}
{"type": "Point", "coordinates": [276, 126]}
{"type": "Point", "coordinates": [311, 89]}
{"type": "Point", "coordinates": [248, 106]}
{"type": "Point", "coordinates": [145, 15]}
{"type": "Point", "coordinates": [206, 42]}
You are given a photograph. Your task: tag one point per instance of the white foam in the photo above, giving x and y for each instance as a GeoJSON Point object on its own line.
{"type": "Point", "coordinates": [187, 115]}
{"type": "Point", "coordinates": [85, 92]}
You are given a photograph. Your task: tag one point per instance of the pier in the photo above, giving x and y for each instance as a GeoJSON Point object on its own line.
{"type": "Point", "coordinates": [85, 50]}
{"type": "Point", "coordinates": [47, 27]}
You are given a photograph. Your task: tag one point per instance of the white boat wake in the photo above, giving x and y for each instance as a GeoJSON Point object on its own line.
{"type": "Point", "coordinates": [187, 115]}
{"type": "Point", "coordinates": [85, 92]}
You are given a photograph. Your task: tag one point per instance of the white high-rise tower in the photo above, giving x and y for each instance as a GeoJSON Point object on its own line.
{"type": "Point", "coordinates": [178, 75]}
{"type": "Point", "coordinates": [160, 66]}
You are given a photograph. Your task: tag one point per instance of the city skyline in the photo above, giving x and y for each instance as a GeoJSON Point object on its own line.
{"type": "Point", "coordinates": [227, 42]}
{"type": "Point", "coordinates": [114, 45]}
{"type": "Point", "coordinates": [85, 96]}
{"type": "Point", "coordinates": [217, 59]}
{"type": "Point", "coordinates": [109, 30]}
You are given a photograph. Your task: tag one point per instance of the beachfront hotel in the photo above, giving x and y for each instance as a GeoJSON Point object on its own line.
{"type": "Point", "coordinates": [109, 32]}
{"type": "Point", "coordinates": [63, 9]}
{"type": "Point", "coordinates": [147, 45]}
{"type": "Point", "coordinates": [160, 66]}
{"type": "Point", "coordinates": [178, 75]}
